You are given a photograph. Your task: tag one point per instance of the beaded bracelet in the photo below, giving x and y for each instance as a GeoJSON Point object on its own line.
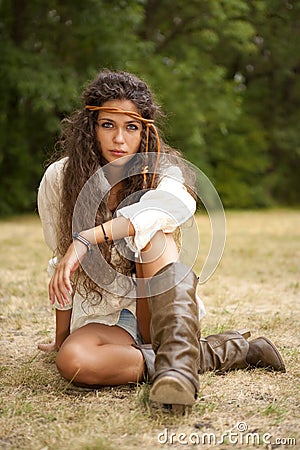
{"type": "Point", "coordinates": [106, 238]}
{"type": "Point", "coordinates": [81, 239]}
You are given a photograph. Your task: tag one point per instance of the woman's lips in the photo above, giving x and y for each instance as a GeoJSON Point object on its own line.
{"type": "Point", "coordinates": [117, 152]}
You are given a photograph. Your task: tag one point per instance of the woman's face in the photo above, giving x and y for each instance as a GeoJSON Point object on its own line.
{"type": "Point", "coordinates": [118, 134]}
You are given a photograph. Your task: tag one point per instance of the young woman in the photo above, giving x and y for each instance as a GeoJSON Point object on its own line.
{"type": "Point", "coordinates": [126, 306]}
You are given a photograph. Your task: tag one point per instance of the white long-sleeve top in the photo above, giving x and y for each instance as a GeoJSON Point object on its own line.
{"type": "Point", "coordinates": [165, 208]}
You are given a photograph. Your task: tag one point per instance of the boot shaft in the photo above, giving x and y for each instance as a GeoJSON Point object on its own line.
{"type": "Point", "coordinates": [174, 322]}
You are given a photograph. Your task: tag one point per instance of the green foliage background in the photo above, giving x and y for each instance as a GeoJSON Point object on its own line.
{"type": "Point", "coordinates": [225, 72]}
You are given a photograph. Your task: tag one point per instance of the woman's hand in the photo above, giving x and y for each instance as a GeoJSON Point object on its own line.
{"type": "Point", "coordinates": [48, 348]}
{"type": "Point", "coordinates": [60, 287]}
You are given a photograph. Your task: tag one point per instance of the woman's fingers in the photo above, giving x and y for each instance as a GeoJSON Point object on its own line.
{"type": "Point", "coordinates": [60, 287]}
{"type": "Point", "coordinates": [50, 347]}
{"type": "Point", "coordinates": [64, 282]}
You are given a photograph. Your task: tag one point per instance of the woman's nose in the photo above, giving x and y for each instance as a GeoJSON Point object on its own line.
{"type": "Point", "coordinates": [119, 136]}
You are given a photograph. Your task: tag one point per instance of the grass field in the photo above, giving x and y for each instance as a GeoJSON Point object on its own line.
{"type": "Point", "coordinates": [257, 285]}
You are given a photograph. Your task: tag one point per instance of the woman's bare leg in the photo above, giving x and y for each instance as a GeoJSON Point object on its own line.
{"type": "Point", "coordinates": [98, 354]}
{"type": "Point", "coordinates": [174, 324]}
{"type": "Point", "coordinates": [142, 309]}
{"type": "Point", "coordinates": [160, 251]}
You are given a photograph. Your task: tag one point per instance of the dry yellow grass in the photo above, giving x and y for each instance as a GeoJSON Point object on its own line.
{"type": "Point", "coordinates": [256, 285]}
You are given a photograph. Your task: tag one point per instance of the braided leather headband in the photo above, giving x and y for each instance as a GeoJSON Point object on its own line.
{"type": "Point", "coordinates": [149, 123]}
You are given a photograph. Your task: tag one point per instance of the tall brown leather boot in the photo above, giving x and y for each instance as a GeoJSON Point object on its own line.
{"type": "Point", "coordinates": [224, 351]}
{"type": "Point", "coordinates": [174, 330]}
{"type": "Point", "coordinates": [230, 350]}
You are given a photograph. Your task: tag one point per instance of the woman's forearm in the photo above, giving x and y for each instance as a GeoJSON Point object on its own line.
{"type": "Point", "coordinates": [60, 287]}
{"type": "Point", "coordinates": [115, 229]}
{"type": "Point", "coordinates": [63, 319]}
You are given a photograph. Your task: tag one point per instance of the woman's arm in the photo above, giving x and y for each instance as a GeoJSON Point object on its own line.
{"type": "Point", "coordinates": [142, 309]}
{"type": "Point", "coordinates": [60, 285]}
{"type": "Point", "coordinates": [115, 229]}
{"type": "Point", "coordinates": [164, 208]}
{"type": "Point", "coordinates": [63, 319]}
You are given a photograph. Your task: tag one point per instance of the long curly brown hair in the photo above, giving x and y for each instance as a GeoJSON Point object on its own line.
{"type": "Point", "coordinates": [79, 144]}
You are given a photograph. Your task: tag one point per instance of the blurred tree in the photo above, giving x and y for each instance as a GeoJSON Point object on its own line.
{"type": "Point", "coordinates": [272, 75]}
{"type": "Point", "coordinates": [189, 45]}
{"type": "Point", "coordinates": [270, 85]}
{"type": "Point", "coordinates": [225, 72]}
{"type": "Point", "coordinates": [49, 50]}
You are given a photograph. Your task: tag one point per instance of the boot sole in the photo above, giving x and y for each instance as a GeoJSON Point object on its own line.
{"type": "Point", "coordinates": [172, 391]}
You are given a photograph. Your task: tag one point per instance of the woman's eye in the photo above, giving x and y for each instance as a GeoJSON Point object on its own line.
{"type": "Point", "coordinates": [106, 125]}
{"type": "Point", "coordinates": [132, 126]}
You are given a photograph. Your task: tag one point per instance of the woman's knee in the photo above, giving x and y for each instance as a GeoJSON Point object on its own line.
{"type": "Point", "coordinates": [70, 361]}
{"type": "Point", "coordinates": [160, 251]}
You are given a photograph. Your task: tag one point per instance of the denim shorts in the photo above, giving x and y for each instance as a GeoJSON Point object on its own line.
{"type": "Point", "coordinates": [128, 322]}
